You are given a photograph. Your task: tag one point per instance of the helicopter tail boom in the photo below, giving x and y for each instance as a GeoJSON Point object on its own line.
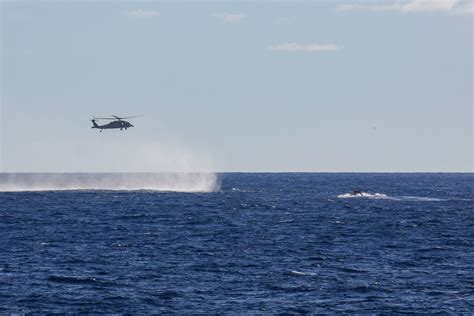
{"type": "Point", "coordinates": [95, 124]}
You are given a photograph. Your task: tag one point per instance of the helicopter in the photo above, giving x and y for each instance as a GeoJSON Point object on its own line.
{"type": "Point", "coordinates": [118, 122]}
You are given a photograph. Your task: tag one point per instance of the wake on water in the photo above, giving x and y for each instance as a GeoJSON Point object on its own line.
{"type": "Point", "coordinates": [176, 182]}
{"type": "Point", "coordinates": [381, 196]}
{"type": "Point", "coordinates": [363, 195]}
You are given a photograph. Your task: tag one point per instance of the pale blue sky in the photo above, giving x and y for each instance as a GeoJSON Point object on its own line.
{"type": "Point", "coordinates": [238, 86]}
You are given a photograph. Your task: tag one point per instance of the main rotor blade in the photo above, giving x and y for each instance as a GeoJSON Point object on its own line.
{"type": "Point", "coordinates": [129, 117]}
{"type": "Point", "coordinates": [124, 118]}
{"type": "Point", "coordinates": [103, 118]}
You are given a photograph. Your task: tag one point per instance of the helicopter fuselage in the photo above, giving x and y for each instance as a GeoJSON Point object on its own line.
{"type": "Point", "coordinates": [119, 124]}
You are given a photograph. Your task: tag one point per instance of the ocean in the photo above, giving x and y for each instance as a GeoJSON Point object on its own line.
{"type": "Point", "coordinates": [237, 243]}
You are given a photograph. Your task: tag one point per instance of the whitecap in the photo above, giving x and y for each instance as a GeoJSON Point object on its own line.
{"type": "Point", "coordinates": [300, 273]}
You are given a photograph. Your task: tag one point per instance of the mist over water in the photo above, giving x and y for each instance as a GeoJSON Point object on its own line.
{"type": "Point", "coordinates": [165, 181]}
{"type": "Point", "coordinates": [108, 162]}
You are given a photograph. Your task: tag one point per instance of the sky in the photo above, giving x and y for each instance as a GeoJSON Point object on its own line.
{"type": "Point", "coordinates": [319, 86]}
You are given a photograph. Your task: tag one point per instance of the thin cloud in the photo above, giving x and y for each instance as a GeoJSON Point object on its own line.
{"type": "Point", "coordinates": [414, 6]}
{"type": "Point", "coordinates": [468, 8]}
{"type": "Point", "coordinates": [140, 13]}
{"type": "Point", "coordinates": [306, 48]}
{"type": "Point", "coordinates": [229, 17]}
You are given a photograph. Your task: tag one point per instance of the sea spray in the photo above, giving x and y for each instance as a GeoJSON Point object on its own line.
{"type": "Point", "coordinates": [164, 181]}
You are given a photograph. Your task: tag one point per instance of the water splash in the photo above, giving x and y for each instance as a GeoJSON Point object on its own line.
{"type": "Point", "coordinates": [363, 195]}
{"type": "Point", "coordinates": [176, 182]}
{"type": "Point", "coordinates": [381, 196]}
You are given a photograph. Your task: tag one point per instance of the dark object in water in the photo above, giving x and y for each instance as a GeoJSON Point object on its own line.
{"type": "Point", "coordinates": [356, 192]}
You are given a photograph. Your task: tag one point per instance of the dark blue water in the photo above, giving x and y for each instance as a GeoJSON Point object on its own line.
{"type": "Point", "coordinates": [262, 243]}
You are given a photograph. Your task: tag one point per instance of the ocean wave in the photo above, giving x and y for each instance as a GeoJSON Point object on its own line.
{"type": "Point", "coordinates": [73, 280]}
{"type": "Point", "coordinates": [174, 182]}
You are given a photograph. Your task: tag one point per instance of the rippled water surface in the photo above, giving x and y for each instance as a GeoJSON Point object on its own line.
{"type": "Point", "coordinates": [261, 243]}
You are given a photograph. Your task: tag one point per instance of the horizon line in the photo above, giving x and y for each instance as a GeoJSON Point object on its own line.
{"type": "Point", "coordinates": [222, 172]}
